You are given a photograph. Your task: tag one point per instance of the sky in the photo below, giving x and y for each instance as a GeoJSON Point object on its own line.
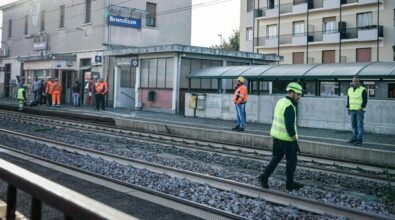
{"type": "Point", "coordinates": [208, 21]}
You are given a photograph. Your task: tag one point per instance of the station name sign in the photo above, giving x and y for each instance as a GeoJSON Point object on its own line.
{"type": "Point", "coordinates": [124, 21]}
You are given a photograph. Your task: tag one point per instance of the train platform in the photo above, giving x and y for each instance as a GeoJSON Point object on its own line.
{"type": "Point", "coordinates": [377, 149]}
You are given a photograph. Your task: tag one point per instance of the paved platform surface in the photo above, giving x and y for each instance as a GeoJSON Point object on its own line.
{"type": "Point", "coordinates": [372, 141]}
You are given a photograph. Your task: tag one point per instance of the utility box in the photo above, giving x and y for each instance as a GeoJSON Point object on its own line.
{"type": "Point", "coordinates": [201, 102]}
{"type": "Point", "coordinates": [192, 102]}
{"type": "Point", "coordinates": [151, 96]}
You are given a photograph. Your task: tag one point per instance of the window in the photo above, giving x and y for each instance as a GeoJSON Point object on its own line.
{"type": "Point", "coordinates": [62, 12]}
{"type": "Point", "coordinates": [157, 73]}
{"type": "Point", "coordinates": [26, 31]}
{"type": "Point", "coordinates": [328, 56]}
{"type": "Point", "coordinates": [85, 62]}
{"type": "Point", "coordinates": [364, 20]}
{"type": "Point", "coordinates": [364, 55]}
{"type": "Point", "coordinates": [42, 23]}
{"type": "Point", "coordinates": [391, 90]}
{"type": "Point", "coordinates": [88, 5]}
{"type": "Point", "coordinates": [370, 88]}
{"type": "Point", "coordinates": [329, 25]}
{"type": "Point", "coordinates": [329, 89]}
{"type": "Point", "coordinates": [250, 5]}
{"type": "Point", "coordinates": [9, 28]}
{"type": "Point", "coordinates": [128, 76]}
{"type": "Point", "coordinates": [271, 4]}
{"type": "Point", "coordinates": [298, 58]}
{"type": "Point", "coordinates": [150, 19]}
{"type": "Point", "coordinates": [271, 31]}
{"type": "Point", "coordinates": [249, 34]}
{"type": "Point", "coordinates": [298, 28]}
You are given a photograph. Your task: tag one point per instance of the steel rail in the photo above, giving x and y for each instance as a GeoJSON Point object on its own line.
{"type": "Point", "coordinates": [241, 188]}
{"type": "Point", "coordinates": [207, 147]}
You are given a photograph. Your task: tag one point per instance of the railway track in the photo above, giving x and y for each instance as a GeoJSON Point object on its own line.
{"type": "Point", "coordinates": [360, 171]}
{"type": "Point", "coordinates": [242, 189]}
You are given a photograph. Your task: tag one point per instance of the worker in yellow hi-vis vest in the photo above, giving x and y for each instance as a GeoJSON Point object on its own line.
{"type": "Point", "coordinates": [285, 137]}
{"type": "Point", "coordinates": [21, 96]}
{"type": "Point", "coordinates": [357, 100]}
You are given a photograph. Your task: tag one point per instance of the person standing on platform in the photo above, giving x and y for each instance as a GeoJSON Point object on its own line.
{"type": "Point", "coordinates": [240, 98]}
{"type": "Point", "coordinates": [42, 96]}
{"type": "Point", "coordinates": [76, 93]}
{"type": "Point", "coordinates": [21, 96]}
{"type": "Point", "coordinates": [56, 91]}
{"type": "Point", "coordinates": [357, 100]}
{"type": "Point", "coordinates": [285, 137]}
{"type": "Point", "coordinates": [35, 89]}
{"type": "Point", "coordinates": [48, 91]}
{"type": "Point", "coordinates": [101, 89]}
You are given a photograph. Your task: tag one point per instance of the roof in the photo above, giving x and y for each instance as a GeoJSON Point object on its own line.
{"type": "Point", "coordinates": [299, 71]}
{"type": "Point", "coordinates": [193, 50]}
{"type": "Point", "coordinates": [12, 4]}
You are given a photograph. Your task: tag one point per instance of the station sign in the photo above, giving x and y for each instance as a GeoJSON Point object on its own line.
{"type": "Point", "coordinates": [124, 21]}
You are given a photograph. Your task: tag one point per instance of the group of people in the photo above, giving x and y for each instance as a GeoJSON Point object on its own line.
{"type": "Point", "coordinates": [49, 92]}
{"type": "Point", "coordinates": [43, 92]}
{"type": "Point", "coordinates": [284, 127]}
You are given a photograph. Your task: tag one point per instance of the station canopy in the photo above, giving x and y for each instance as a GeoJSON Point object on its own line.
{"type": "Point", "coordinates": [299, 71]}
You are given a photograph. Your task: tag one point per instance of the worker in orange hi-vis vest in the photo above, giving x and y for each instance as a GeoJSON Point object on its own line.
{"type": "Point", "coordinates": [48, 91]}
{"type": "Point", "coordinates": [56, 91]}
{"type": "Point", "coordinates": [101, 89]}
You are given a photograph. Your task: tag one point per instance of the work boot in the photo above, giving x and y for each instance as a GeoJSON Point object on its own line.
{"type": "Point", "coordinates": [358, 143]}
{"type": "Point", "coordinates": [294, 186]}
{"type": "Point", "coordinates": [240, 129]}
{"type": "Point", "coordinates": [235, 128]}
{"type": "Point", "coordinates": [263, 180]}
{"type": "Point", "coordinates": [352, 141]}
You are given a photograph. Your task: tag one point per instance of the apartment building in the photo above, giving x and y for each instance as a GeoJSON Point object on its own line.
{"type": "Point", "coordinates": [66, 39]}
{"type": "Point", "coordinates": [319, 31]}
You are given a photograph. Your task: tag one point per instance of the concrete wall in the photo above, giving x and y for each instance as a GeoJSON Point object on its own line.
{"type": "Point", "coordinates": [314, 112]}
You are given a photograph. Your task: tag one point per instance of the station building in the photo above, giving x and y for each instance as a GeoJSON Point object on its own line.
{"type": "Point", "coordinates": [67, 39]}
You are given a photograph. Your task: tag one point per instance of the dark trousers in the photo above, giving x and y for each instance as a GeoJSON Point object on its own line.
{"type": "Point", "coordinates": [100, 101]}
{"type": "Point", "coordinates": [43, 99]}
{"type": "Point", "coordinates": [49, 99]}
{"type": "Point", "coordinates": [281, 148]}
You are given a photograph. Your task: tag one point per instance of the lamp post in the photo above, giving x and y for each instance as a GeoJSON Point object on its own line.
{"type": "Point", "coordinates": [220, 43]}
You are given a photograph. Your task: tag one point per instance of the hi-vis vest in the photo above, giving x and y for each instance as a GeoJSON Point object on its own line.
{"type": "Point", "coordinates": [278, 126]}
{"type": "Point", "coordinates": [20, 94]}
{"type": "Point", "coordinates": [100, 88]}
{"type": "Point", "coordinates": [240, 95]}
{"type": "Point", "coordinates": [355, 98]}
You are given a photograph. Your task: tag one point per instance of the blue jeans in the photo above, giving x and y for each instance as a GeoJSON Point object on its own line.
{"type": "Point", "coordinates": [35, 96]}
{"type": "Point", "coordinates": [76, 99]}
{"type": "Point", "coordinates": [357, 125]}
{"type": "Point", "coordinates": [241, 120]}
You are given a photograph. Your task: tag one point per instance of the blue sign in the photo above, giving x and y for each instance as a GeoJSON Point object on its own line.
{"type": "Point", "coordinates": [124, 21]}
{"type": "Point", "coordinates": [97, 59]}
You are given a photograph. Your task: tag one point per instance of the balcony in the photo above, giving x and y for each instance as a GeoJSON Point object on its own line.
{"type": "Point", "coordinates": [267, 42]}
{"type": "Point", "coordinates": [371, 32]}
{"type": "Point", "coordinates": [301, 39]}
{"type": "Point", "coordinates": [329, 37]}
{"type": "Point", "coordinates": [330, 4]}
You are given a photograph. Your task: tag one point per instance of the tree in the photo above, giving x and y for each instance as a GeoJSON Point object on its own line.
{"type": "Point", "coordinates": [233, 43]}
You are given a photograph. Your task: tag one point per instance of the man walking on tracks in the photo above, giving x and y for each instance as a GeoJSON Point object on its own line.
{"type": "Point", "coordinates": [357, 100]}
{"type": "Point", "coordinates": [240, 98]}
{"type": "Point", "coordinates": [285, 137]}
